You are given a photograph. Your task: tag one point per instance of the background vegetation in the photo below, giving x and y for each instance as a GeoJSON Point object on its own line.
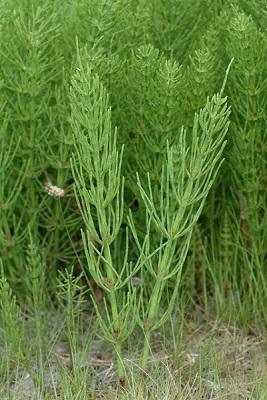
{"type": "Point", "coordinates": [132, 183]}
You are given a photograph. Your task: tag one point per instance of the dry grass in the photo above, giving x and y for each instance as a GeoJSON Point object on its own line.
{"type": "Point", "coordinates": [212, 361]}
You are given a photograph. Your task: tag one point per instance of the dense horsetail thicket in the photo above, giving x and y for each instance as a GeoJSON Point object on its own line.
{"type": "Point", "coordinates": [132, 166]}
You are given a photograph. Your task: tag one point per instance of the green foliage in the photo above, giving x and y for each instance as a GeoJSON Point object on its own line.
{"type": "Point", "coordinates": [155, 119]}
{"type": "Point", "coordinates": [247, 159]}
{"type": "Point", "coordinates": [11, 319]}
{"type": "Point", "coordinates": [100, 194]}
{"type": "Point", "coordinates": [112, 138]}
{"type": "Point", "coordinates": [186, 180]}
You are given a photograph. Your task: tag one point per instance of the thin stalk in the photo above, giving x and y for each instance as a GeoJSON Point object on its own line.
{"type": "Point", "coordinates": [155, 299]}
{"type": "Point", "coordinates": [115, 316]}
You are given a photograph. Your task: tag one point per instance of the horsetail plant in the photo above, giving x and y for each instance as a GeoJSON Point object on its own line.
{"type": "Point", "coordinates": [11, 320]}
{"type": "Point", "coordinates": [99, 189]}
{"type": "Point", "coordinates": [187, 176]}
{"type": "Point", "coordinates": [11, 234]}
{"type": "Point", "coordinates": [70, 294]}
{"type": "Point", "coordinates": [248, 45]}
